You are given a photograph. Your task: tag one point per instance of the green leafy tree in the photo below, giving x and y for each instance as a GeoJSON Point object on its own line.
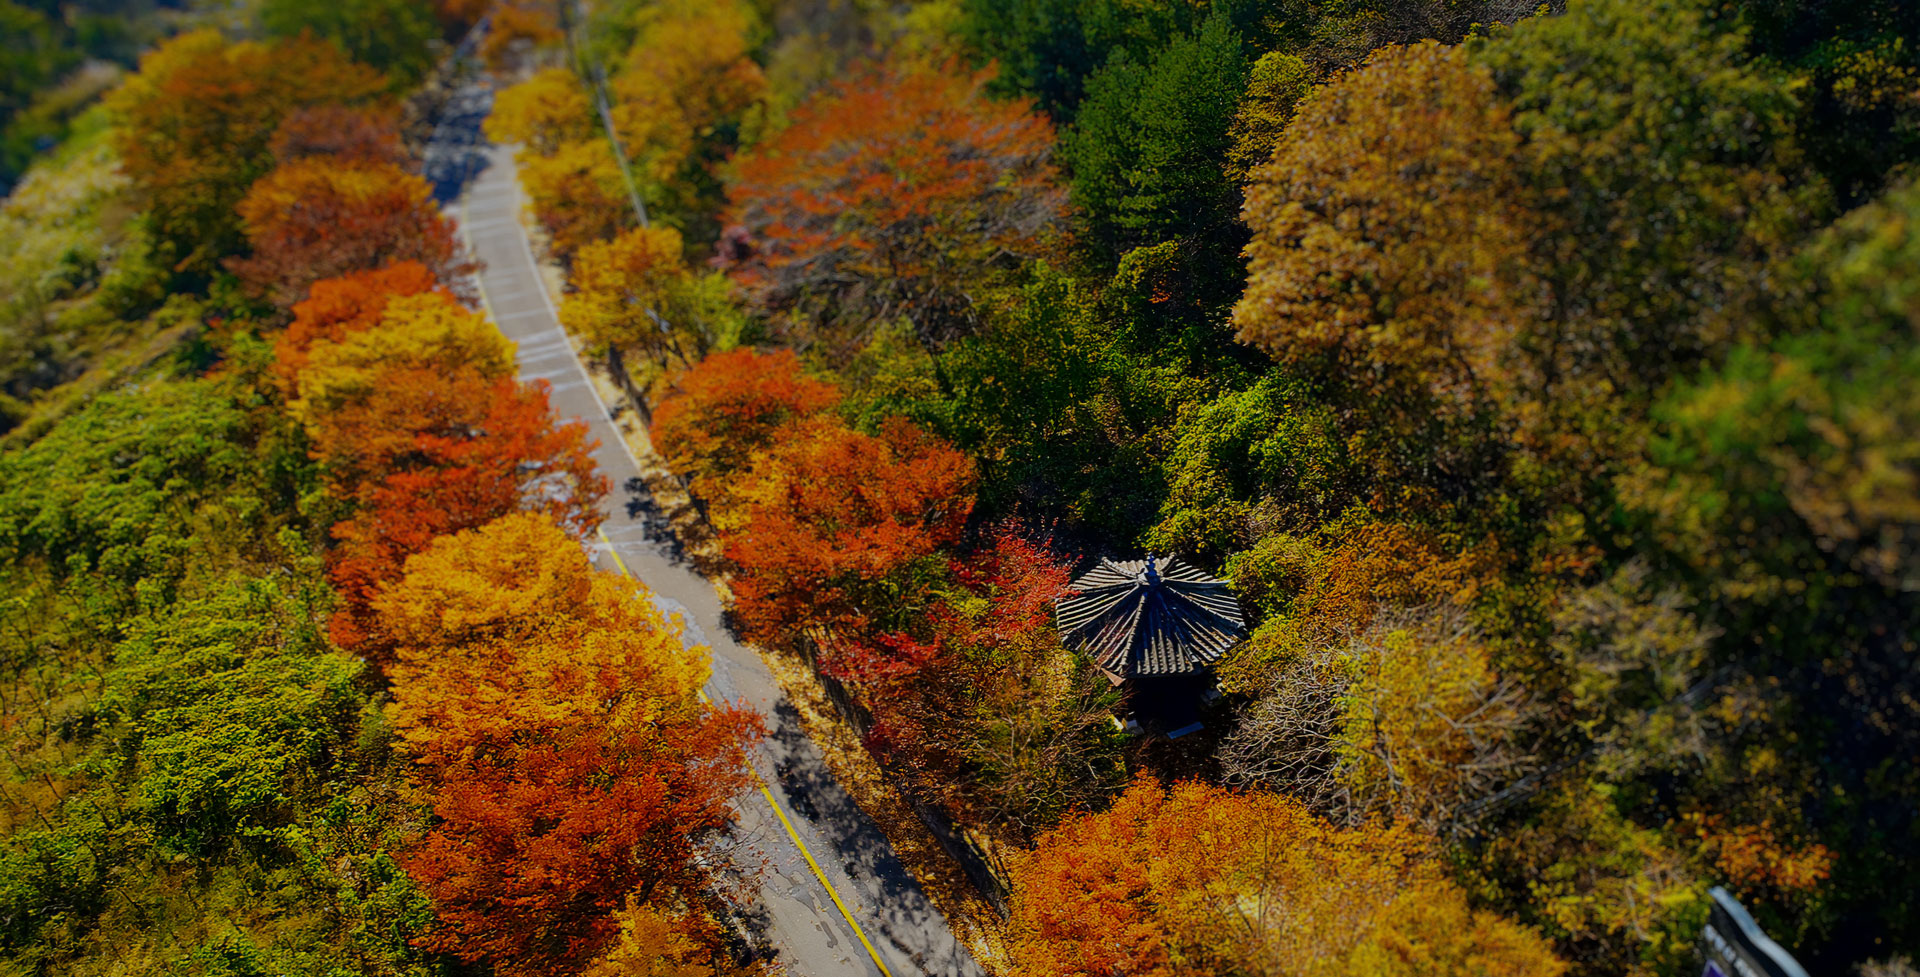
{"type": "Point", "coordinates": [1054, 410]}
{"type": "Point", "coordinates": [1786, 484]}
{"type": "Point", "coordinates": [114, 487]}
{"type": "Point", "coordinates": [1048, 48]}
{"type": "Point", "coordinates": [395, 36]}
{"type": "Point", "coordinates": [231, 709]}
{"type": "Point", "coordinates": [1275, 86]}
{"type": "Point", "coordinates": [1859, 121]}
{"type": "Point", "coordinates": [1668, 163]}
{"type": "Point", "coordinates": [1147, 145]}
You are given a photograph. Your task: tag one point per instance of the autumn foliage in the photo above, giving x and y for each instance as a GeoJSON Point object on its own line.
{"type": "Point", "coordinates": [1540, 378]}
{"type": "Point", "coordinates": [981, 709]}
{"type": "Point", "coordinates": [689, 73]}
{"type": "Point", "coordinates": [549, 711]}
{"type": "Point", "coordinates": [535, 851]}
{"type": "Point", "coordinates": [1424, 278]}
{"type": "Point", "coordinates": [346, 132]}
{"type": "Point", "coordinates": [729, 405]}
{"type": "Point", "coordinates": [833, 518]}
{"type": "Point", "coordinates": [554, 711]}
{"type": "Point", "coordinates": [885, 196]}
{"type": "Point", "coordinates": [846, 543]}
{"type": "Point", "coordinates": [506, 629]}
{"type": "Point", "coordinates": [578, 193]}
{"type": "Point", "coordinates": [197, 126]}
{"type": "Point", "coordinates": [1195, 880]}
{"type": "Point", "coordinates": [336, 307]}
{"type": "Point", "coordinates": [411, 407]}
{"type": "Point", "coordinates": [322, 216]}
{"type": "Point", "coordinates": [545, 112]}
{"type": "Point", "coordinates": [620, 289]}
{"type": "Point", "coordinates": [429, 332]}
{"type": "Point", "coordinates": [437, 453]}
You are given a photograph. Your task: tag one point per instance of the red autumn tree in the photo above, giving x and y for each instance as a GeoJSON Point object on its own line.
{"type": "Point", "coordinates": [552, 708]}
{"type": "Point", "coordinates": [838, 529]}
{"type": "Point", "coordinates": [196, 127]}
{"type": "Point", "coordinates": [323, 216]}
{"type": "Point", "coordinates": [729, 405]}
{"type": "Point", "coordinates": [991, 717]}
{"type": "Point", "coordinates": [335, 307]}
{"type": "Point", "coordinates": [898, 193]}
{"type": "Point", "coordinates": [437, 453]}
{"type": "Point", "coordinates": [369, 134]}
{"type": "Point", "coordinates": [536, 851]}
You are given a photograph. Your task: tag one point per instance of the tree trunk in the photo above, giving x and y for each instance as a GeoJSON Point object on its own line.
{"type": "Point", "coordinates": [617, 365]}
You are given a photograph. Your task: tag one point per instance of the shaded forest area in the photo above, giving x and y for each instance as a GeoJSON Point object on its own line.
{"type": "Point", "coordinates": [1540, 379]}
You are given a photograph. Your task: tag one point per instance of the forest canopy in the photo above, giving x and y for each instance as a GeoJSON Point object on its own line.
{"type": "Point", "coordinates": [1538, 379]}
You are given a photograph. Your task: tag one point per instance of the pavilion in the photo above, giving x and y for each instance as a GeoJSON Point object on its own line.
{"type": "Point", "coordinates": [1152, 619]}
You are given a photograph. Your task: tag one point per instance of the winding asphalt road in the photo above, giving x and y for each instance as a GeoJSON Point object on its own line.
{"type": "Point", "coordinates": [814, 934]}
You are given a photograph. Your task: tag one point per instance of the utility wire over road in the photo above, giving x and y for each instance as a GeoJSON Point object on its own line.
{"type": "Point", "coordinates": [834, 898]}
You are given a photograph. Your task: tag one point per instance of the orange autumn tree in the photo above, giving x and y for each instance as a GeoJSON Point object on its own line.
{"type": "Point", "coordinates": [507, 628]}
{"type": "Point", "coordinates": [196, 126]}
{"type": "Point", "coordinates": [729, 405]}
{"type": "Point", "coordinates": [537, 848]}
{"type": "Point", "coordinates": [554, 709]}
{"type": "Point", "coordinates": [1193, 880]}
{"type": "Point", "coordinates": [429, 331]}
{"type": "Point", "coordinates": [837, 529]}
{"type": "Point", "coordinates": [895, 194]}
{"type": "Point", "coordinates": [435, 453]}
{"type": "Point", "coordinates": [369, 134]}
{"type": "Point", "coordinates": [336, 307]}
{"type": "Point", "coordinates": [322, 216]}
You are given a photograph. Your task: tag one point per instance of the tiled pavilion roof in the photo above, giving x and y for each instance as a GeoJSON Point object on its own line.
{"type": "Point", "coordinates": [1148, 617]}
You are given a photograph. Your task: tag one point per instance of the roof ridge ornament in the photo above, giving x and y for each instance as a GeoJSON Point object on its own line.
{"type": "Point", "coordinates": [1149, 617]}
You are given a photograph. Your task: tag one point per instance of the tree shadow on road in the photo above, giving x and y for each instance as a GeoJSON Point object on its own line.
{"type": "Point", "coordinates": [907, 920]}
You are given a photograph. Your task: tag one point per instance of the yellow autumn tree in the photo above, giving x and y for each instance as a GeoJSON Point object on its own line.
{"type": "Point", "coordinates": [507, 629]}
{"type": "Point", "coordinates": [1405, 718]}
{"type": "Point", "coordinates": [506, 578]}
{"type": "Point", "coordinates": [1426, 726]}
{"type": "Point", "coordinates": [623, 291]}
{"type": "Point", "coordinates": [430, 330]}
{"type": "Point", "coordinates": [1195, 880]}
{"type": "Point", "coordinates": [1391, 241]}
{"type": "Point", "coordinates": [577, 192]}
{"type": "Point", "coordinates": [543, 113]}
{"type": "Point", "coordinates": [687, 74]}
{"type": "Point", "coordinates": [655, 943]}
{"type": "Point", "coordinates": [1315, 590]}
